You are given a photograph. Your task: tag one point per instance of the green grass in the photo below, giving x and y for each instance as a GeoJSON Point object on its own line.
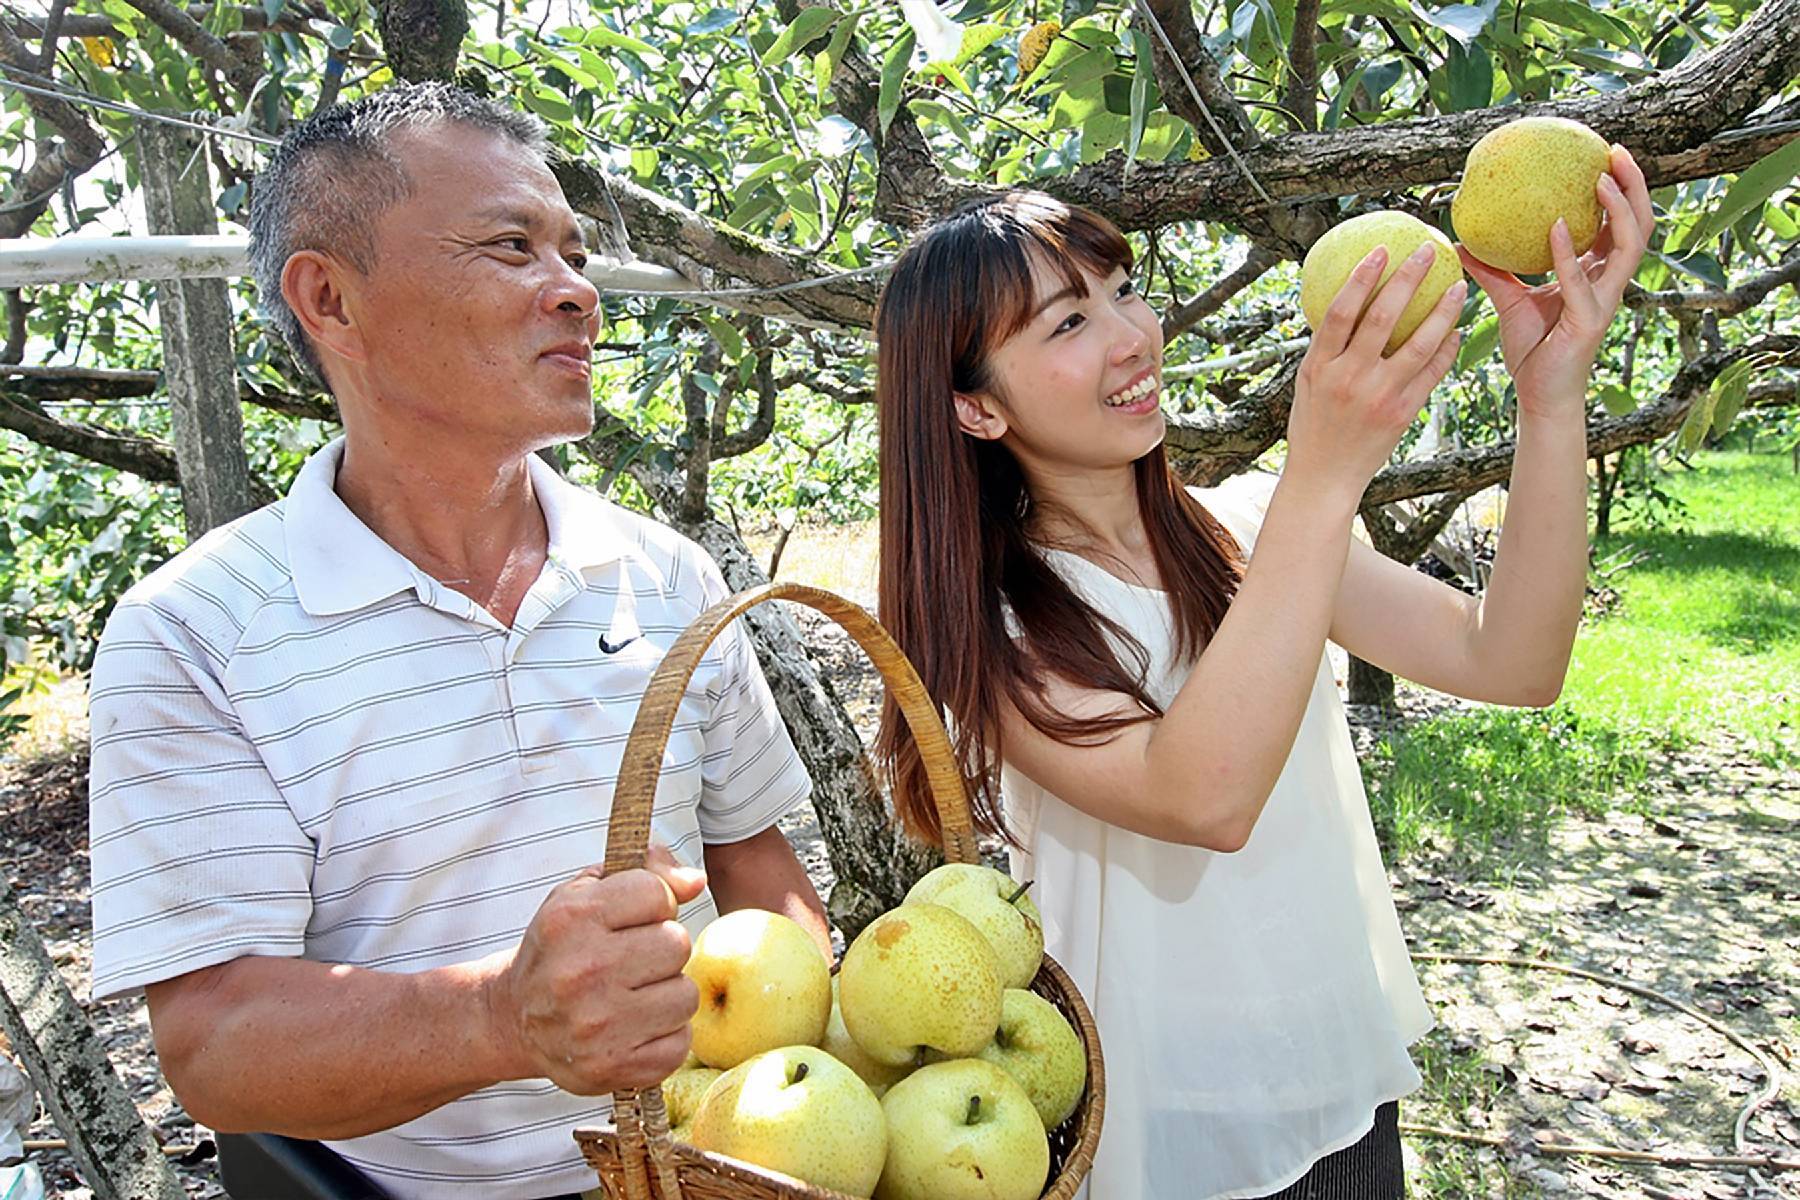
{"type": "Point", "coordinates": [1703, 642]}
{"type": "Point", "coordinates": [1707, 634]}
{"type": "Point", "coordinates": [1457, 1080]}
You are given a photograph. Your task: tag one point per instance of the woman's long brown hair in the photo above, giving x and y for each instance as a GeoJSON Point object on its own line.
{"type": "Point", "coordinates": [955, 510]}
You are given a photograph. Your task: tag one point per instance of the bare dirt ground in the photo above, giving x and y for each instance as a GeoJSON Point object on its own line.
{"type": "Point", "coordinates": [1698, 900]}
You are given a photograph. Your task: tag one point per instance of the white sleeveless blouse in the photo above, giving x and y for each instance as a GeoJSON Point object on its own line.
{"type": "Point", "coordinates": [1254, 1008]}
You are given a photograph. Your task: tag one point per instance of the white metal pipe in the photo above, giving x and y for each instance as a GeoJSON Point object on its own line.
{"type": "Point", "coordinates": [30, 262]}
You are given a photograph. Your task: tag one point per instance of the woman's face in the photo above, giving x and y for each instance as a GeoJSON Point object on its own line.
{"type": "Point", "coordinates": [1079, 387]}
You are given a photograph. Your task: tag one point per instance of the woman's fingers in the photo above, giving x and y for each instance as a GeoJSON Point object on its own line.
{"type": "Point", "coordinates": [1418, 389]}
{"type": "Point", "coordinates": [1502, 287]}
{"type": "Point", "coordinates": [1628, 237]}
{"type": "Point", "coordinates": [1371, 335]}
{"type": "Point", "coordinates": [1630, 176]}
{"type": "Point", "coordinates": [1334, 332]}
{"type": "Point", "coordinates": [1422, 345]}
{"type": "Point", "coordinates": [1577, 292]}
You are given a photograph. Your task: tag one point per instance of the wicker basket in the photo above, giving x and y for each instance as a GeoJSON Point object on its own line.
{"type": "Point", "coordinates": [637, 1159]}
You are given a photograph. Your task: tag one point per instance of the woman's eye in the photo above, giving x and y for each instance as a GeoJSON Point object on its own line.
{"type": "Point", "coordinates": [1128, 288]}
{"type": "Point", "coordinates": [578, 261]}
{"type": "Point", "coordinates": [1067, 323]}
{"type": "Point", "coordinates": [520, 244]}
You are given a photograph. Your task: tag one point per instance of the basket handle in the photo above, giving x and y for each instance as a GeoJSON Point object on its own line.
{"type": "Point", "coordinates": [628, 835]}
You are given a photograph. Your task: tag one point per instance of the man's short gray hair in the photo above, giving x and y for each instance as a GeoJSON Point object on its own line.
{"type": "Point", "coordinates": [336, 173]}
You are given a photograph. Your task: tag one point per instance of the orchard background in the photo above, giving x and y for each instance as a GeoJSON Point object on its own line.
{"type": "Point", "coordinates": [779, 155]}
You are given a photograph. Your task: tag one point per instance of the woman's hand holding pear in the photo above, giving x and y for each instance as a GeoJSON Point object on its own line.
{"type": "Point", "coordinates": [1352, 403]}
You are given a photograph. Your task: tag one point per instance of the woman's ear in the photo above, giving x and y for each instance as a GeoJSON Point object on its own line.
{"type": "Point", "coordinates": [978, 416]}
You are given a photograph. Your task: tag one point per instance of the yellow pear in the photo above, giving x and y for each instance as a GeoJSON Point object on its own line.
{"type": "Point", "coordinates": [763, 984]}
{"type": "Point", "coordinates": [838, 1043]}
{"type": "Point", "coordinates": [682, 1093]}
{"type": "Point", "coordinates": [920, 977]}
{"type": "Point", "coordinates": [799, 1111]}
{"type": "Point", "coordinates": [1518, 180]}
{"type": "Point", "coordinates": [997, 906]}
{"type": "Point", "coordinates": [1329, 263]}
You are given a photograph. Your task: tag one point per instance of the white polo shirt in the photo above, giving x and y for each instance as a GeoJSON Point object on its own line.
{"type": "Point", "coordinates": [305, 746]}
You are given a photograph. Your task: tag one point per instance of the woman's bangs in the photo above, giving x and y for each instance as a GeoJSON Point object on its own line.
{"type": "Point", "coordinates": [1066, 241]}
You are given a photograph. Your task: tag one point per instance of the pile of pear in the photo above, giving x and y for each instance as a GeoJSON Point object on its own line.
{"type": "Point", "coordinates": [1519, 179]}
{"type": "Point", "coordinates": [924, 1069]}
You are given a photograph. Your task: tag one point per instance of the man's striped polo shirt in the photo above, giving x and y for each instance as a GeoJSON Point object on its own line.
{"type": "Point", "coordinates": [305, 746]}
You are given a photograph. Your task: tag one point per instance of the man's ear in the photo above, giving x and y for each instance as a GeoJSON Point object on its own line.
{"type": "Point", "coordinates": [313, 284]}
{"type": "Point", "coordinates": [978, 416]}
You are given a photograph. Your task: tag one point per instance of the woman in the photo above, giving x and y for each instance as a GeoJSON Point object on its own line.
{"type": "Point", "coordinates": [1136, 673]}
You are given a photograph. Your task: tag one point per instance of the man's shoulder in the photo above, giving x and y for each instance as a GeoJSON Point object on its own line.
{"type": "Point", "coordinates": [216, 585]}
{"type": "Point", "coordinates": [682, 566]}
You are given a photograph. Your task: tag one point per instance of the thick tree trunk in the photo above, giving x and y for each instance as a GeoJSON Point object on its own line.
{"type": "Point", "coordinates": [422, 37]}
{"type": "Point", "coordinates": [199, 358]}
{"type": "Point", "coordinates": [114, 1149]}
{"type": "Point", "coordinates": [1371, 685]}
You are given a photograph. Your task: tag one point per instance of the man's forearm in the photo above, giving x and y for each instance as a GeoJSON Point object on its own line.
{"type": "Point", "coordinates": [312, 1050]}
{"type": "Point", "coordinates": [763, 872]}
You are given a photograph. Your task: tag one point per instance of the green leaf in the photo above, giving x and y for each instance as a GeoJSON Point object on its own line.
{"type": "Point", "coordinates": [1471, 77]}
{"type": "Point", "coordinates": [977, 38]}
{"type": "Point", "coordinates": [1463, 22]}
{"type": "Point", "coordinates": [643, 161]}
{"type": "Point", "coordinates": [1334, 112]}
{"type": "Point", "coordinates": [840, 40]}
{"type": "Point", "coordinates": [1618, 400]}
{"type": "Point", "coordinates": [1730, 388]}
{"type": "Point", "coordinates": [600, 35]}
{"type": "Point", "coordinates": [1102, 132]}
{"type": "Point", "coordinates": [942, 114]}
{"type": "Point", "coordinates": [1780, 223]}
{"type": "Point", "coordinates": [1732, 395]}
{"type": "Point", "coordinates": [1479, 343]}
{"type": "Point", "coordinates": [893, 76]}
{"type": "Point", "coordinates": [1752, 188]}
{"type": "Point", "coordinates": [1141, 81]}
{"type": "Point", "coordinates": [1570, 14]}
{"type": "Point", "coordinates": [1083, 68]}
{"type": "Point", "coordinates": [810, 24]}
{"type": "Point", "coordinates": [712, 22]}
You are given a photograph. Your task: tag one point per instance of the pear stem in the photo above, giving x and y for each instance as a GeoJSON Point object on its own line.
{"type": "Point", "coordinates": [974, 1110]}
{"type": "Point", "coordinates": [1023, 888]}
{"type": "Point", "coordinates": [799, 1072]}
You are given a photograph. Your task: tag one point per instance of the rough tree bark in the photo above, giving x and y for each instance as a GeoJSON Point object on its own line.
{"type": "Point", "coordinates": [200, 360]}
{"type": "Point", "coordinates": [116, 1152]}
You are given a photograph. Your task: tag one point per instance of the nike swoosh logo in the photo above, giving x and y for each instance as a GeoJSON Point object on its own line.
{"type": "Point", "coordinates": [608, 648]}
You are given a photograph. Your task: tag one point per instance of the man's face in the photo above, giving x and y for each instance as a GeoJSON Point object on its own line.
{"type": "Point", "coordinates": [478, 326]}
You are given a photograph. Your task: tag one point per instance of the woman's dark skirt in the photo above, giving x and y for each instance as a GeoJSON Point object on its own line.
{"type": "Point", "coordinates": [1369, 1170]}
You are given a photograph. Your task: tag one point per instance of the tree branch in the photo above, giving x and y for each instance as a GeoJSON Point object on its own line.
{"type": "Point", "coordinates": [294, 18]}
{"type": "Point", "coordinates": [700, 247]}
{"type": "Point", "coordinates": [193, 37]}
{"type": "Point", "coordinates": [1210, 447]}
{"type": "Point", "coordinates": [730, 445]}
{"type": "Point", "coordinates": [1729, 302]}
{"type": "Point", "coordinates": [80, 148]}
{"type": "Point", "coordinates": [1302, 97]}
{"type": "Point", "coordinates": [909, 184]}
{"type": "Point", "coordinates": [1255, 265]}
{"type": "Point", "coordinates": [1477, 468]}
{"type": "Point", "coordinates": [1672, 122]}
{"type": "Point", "coordinates": [1177, 20]}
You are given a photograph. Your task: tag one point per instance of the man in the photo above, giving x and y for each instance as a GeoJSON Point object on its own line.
{"type": "Point", "coordinates": [354, 754]}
